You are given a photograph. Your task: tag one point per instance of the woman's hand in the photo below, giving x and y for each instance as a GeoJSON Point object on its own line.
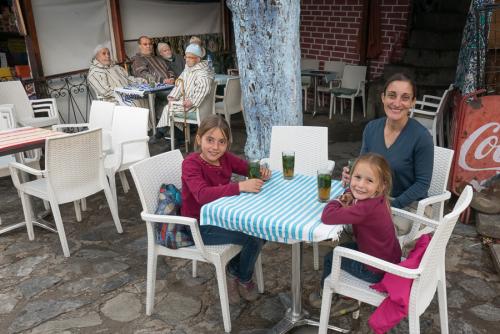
{"type": "Point", "coordinates": [251, 185]}
{"type": "Point", "coordinates": [346, 177]}
{"type": "Point", "coordinates": [265, 173]}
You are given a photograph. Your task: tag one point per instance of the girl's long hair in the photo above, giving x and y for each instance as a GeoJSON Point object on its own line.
{"type": "Point", "coordinates": [380, 165]}
{"type": "Point", "coordinates": [213, 122]}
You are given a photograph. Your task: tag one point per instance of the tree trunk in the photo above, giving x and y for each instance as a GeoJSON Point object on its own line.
{"type": "Point", "coordinates": [268, 52]}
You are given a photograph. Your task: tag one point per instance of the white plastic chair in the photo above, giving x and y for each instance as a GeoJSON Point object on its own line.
{"type": "Point", "coordinates": [310, 144]}
{"type": "Point", "coordinates": [430, 114]}
{"type": "Point", "coordinates": [129, 142]}
{"type": "Point", "coordinates": [148, 176]}
{"type": "Point", "coordinates": [207, 107]}
{"type": "Point", "coordinates": [351, 86]}
{"type": "Point", "coordinates": [437, 193]}
{"type": "Point", "coordinates": [231, 103]}
{"type": "Point", "coordinates": [331, 66]}
{"type": "Point", "coordinates": [428, 277]}
{"type": "Point", "coordinates": [38, 113]}
{"type": "Point", "coordinates": [307, 64]}
{"type": "Point", "coordinates": [73, 170]}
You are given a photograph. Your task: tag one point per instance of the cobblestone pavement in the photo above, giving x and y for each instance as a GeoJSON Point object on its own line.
{"type": "Point", "coordinates": [101, 289]}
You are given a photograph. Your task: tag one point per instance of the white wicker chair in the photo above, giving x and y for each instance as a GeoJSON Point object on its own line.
{"type": "Point", "coordinates": [437, 193]}
{"type": "Point", "coordinates": [148, 176]}
{"type": "Point", "coordinates": [332, 66]}
{"type": "Point", "coordinates": [38, 113]}
{"type": "Point", "coordinates": [310, 144]}
{"type": "Point", "coordinates": [73, 170]}
{"type": "Point", "coordinates": [428, 277]}
{"type": "Point", "coordinates": [231, 103]}
{"type": "Point", "coordinates": [129, 138]}
{"type": "Point", "coordinates": [351, 86]}
{"type": "Point", "coordinates": [206, 108]}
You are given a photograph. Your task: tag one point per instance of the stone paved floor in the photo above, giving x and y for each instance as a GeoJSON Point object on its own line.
{"type": "Point", "coordinates": [100, 288]}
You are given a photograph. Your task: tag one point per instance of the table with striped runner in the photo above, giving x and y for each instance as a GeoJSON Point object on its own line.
{"type": "Point", "coordinates": [284, 211]}
{"type": "Point", "coordinates": [23, 139]}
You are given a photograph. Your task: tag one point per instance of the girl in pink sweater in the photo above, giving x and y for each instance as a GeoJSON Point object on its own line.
{"type": "Point", "coordinates": [206, 176]}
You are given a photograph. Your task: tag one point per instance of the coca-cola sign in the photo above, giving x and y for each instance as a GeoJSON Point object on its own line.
{"type": "Point", "coordinates": [481, 150]}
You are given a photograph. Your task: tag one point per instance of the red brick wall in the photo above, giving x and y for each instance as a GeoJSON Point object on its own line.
{"type": "Point", "coordinates": [329, 31]}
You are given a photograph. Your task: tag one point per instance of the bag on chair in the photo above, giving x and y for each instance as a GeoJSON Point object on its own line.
{"type": "Point", "coordinates": [172, 236]}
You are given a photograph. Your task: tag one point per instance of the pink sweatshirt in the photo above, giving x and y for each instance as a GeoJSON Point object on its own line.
{"type": "Point", "coordinates": [372, 226]}
{"type": "Point", "coordinates": [203, 183]}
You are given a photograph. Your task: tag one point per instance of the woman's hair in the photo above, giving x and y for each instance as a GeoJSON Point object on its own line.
{"type": "Point", "coordinates": [213, 122]}
{"type": "Point", "coordinates": [401, 77]}
{"type": "Point", "coordinates": [381, 167]}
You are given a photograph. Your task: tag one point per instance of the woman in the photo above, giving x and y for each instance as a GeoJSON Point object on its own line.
{"type": "Point", "coordinates": [104, 76]}
{"type": "Point", "coordinates": [404, 142]}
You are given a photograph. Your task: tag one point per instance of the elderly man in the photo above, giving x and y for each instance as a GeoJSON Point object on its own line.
{"type": "Point", "coordinates": [175, 61]}
{"type": "Point", "coordinates": [197, 78]}
{"type": "Point", "coordinates": [151, 67]}
{"type": "Point", "coordinates": [104, 76]}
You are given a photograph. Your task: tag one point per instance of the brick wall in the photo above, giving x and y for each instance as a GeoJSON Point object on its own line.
{"type": "Point", "coordinates": [329, 31]}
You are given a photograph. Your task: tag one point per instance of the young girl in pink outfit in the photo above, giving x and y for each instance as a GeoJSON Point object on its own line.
{"type": "Point", "coordinates": [365, 206]}
{"type": "Point", "coordinates": [206, 176]}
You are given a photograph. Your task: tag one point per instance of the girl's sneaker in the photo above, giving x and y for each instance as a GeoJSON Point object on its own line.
{"type": "Point", "coordinates": [248, 291]}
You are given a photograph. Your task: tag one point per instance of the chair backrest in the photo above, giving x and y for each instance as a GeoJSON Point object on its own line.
{"type": "Point", "coordinates": [74, 165]}
{"type": "Point", "coordinates": [101, 115]}
{"type": "Point", "coordinates": [150, 173]}
{"type": "Point", "coordinates": [423, 289]}
{"type": "Point", "coordinates": [310, 144]}
{"type": "Point", "coordinates": [443, 158]}
{"type": "Point", "coordinates": [13, 92]}
{"type": "Point", "coordinates": [130, 123]}
{"type": "Point", "coordinates": [207, 106]}
{"type": "Point", "coordinates": [335, 66]}
{"type": "Point", "coordinates": [309, 64]}
{"type": "Point", "coordinates": [232, 95]}
{"type": "Point", "coordinates": [7, 121]}
{"type": "Point", "coordinates": [352, 76]}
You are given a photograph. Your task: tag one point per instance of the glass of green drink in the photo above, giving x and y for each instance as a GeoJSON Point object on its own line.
{"type": "Point", "coordinates": [324, 185]}
{"type": "Point", "coordinates": [254, 169]}
{"type": "Point", "coordinates": [288, 158]}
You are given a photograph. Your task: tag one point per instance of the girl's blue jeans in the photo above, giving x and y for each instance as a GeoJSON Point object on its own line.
{"type": "Point", "coordinates": [242, 265]}
{"type": "Point", "coordinates": [355, 268]}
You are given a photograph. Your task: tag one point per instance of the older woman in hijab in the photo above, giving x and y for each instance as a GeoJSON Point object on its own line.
{"type": "Point", "coordinates": [104, 76]}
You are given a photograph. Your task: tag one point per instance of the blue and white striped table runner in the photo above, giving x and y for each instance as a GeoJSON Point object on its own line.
{"type": "Point", "coordinates": [283, 211]}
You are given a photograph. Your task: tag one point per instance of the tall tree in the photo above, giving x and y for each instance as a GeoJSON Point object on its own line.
{"type": "Point", "coordinates": [268, 52]}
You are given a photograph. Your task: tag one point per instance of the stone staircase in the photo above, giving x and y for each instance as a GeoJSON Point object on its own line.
{"type": "Point", "coordinates": [433, 45]}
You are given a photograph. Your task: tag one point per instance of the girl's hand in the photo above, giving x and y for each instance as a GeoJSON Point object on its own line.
{"type": "Point", "coordinates": [265, 173]}
{"type": "Point", "coordinates": [346, 177]}
{"type": "Point", "coordinates": [346, 199]}
{"type": "Point", "coordinates": [251, 185]}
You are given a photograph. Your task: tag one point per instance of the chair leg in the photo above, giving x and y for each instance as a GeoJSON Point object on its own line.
{"type": "Point", "coordinates": [224, 298]}
{"type": "Point", "coordinates": [352, 109]}
{"type": "Point", "coordinates": [331, 106]}
{"type": "Point", "coordinates": [112, 186]}
{"type": "Point", "coordinates": [364, 105]}
{"type": "Point", "coordinates": [341, 106]}
{"type": "Point", "coordinates": [124, 181]}
{"type": "Point", "coordinates": [151, 281]}
{"type": "Point", "coordinates": [414, 321]}
{"type": "Point", "coordinates": [315, 255]}
{"type": "Point", "coordinates": [259, 276]}
{"type": "Point", "coordinates": [60, 227]}
{"type": "Point", "coordinates": [78, 212]}
{"type": "Point", "coordinates": [28, 214]}
{"type": "Point", "coordinates": [195, 268]}
{"type": "Point", "coordinates": [172, 135]}
{"type": "Point", "coordinates": [443, 307]}
{"type": "Point", "coordinates": [326, 304]}
{"type": "Point", "coordinates": [84, 204]}
{"type": "Point", "coordinates": [113, 207]}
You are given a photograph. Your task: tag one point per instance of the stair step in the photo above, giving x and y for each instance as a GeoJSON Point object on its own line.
{"type": "Point", "coordinates": [430, 58]}
{"type": "Point", "coordinates": [440, 21]}
{"type": "Point", "coordinates": [423, 76]}
{"type": "Point", "coordinates": [435, 40]}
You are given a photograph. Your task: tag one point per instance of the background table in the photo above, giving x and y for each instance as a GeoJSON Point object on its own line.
{"type": "Point", "coordinates": [221, 79]}
{"type": "Point", "coordinates": [284, 211]}
{"type": "Point", "coordinates": [315, 74]}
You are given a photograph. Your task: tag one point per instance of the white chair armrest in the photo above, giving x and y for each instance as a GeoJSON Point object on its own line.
{"type": "Point", "coordinates": [58, 127]}
{"type": "Point", "coordinates": [376, 262]}
{"type": "Point", "coordinates": [24, 168]}
{"type": "Point", "coordinates": [415, 218]}
{"type": "Point", "coordinates": [427, 97]}
{"type": "Point", "coordinates": [47, 100]}
{"type": "Point", "coordinates": [432, 200]}
{"type": "Point", "coordinates": [422, 104]}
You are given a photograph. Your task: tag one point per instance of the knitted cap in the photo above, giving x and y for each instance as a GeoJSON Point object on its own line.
{"type": "Point", "coordinates": [194, 49]}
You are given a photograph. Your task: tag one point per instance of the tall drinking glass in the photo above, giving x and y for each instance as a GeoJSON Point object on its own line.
{"type": "Point", "coordinates": [254, 169]}
{"type": "Point", "coordinates": [324, 185]}
{"type": "Point", "coordinates": [288, 158]}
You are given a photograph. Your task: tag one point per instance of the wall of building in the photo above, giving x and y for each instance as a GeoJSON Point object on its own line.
{"type": "Point", "coordinates": [329, 31]}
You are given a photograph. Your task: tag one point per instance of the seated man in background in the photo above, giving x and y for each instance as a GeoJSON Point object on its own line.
{"type": "Point", "coordinates": [175, 61]}
{"type": "Point", "coordinates": [197, 80]}
{"type": "Point", "coordinates": [150, 67]}
{"type": "Point", "coordinates": [104, 76]}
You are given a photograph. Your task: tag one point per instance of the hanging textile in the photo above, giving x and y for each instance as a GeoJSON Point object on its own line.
{"type": "Point", "coordinates": [472, 57]}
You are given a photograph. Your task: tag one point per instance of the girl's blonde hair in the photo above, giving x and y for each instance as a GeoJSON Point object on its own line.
{"type": "Point", "coordinates": [213, 122]}
{"type": "Point", "coordinates": [381, 167]}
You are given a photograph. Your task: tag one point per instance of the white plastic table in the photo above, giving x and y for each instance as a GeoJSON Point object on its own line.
{"type": "Point", "coordinates": [286, 211]}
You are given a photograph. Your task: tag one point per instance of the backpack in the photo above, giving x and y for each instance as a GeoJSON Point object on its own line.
{"type": "Point", "coordinates": [172, 236]}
